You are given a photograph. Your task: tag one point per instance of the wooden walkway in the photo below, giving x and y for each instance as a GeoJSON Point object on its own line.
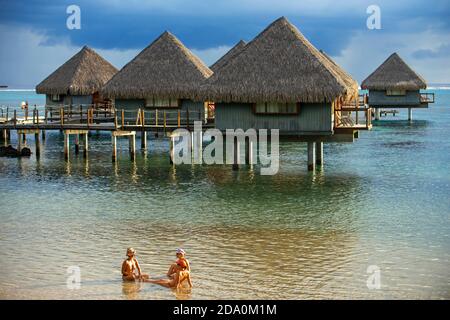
{"type": "Point", "coordinates": [78, 121]}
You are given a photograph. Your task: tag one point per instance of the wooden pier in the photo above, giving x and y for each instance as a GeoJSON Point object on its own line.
{"type": "Point", "coordinates": [79, 121]}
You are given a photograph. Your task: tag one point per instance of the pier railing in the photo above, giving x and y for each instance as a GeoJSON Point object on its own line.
{"type": "Point", "coordinates": [157, 118]}
{"type": "Point", "coordinates": [98, 117]}
{"type": "Point", "coordinates": [354, 115]}
{"type": "Point", "coordinates": [427, 97]}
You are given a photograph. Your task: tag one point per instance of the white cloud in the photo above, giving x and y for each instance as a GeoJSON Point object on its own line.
{"type": "Point", "coordinates": [368, 49]}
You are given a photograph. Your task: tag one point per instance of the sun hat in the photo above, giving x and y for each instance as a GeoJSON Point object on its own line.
{"type": "Point", "coordinates": [179, 250]}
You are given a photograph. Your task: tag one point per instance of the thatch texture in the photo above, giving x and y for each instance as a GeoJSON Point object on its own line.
{"type": "Point", "coordinates": [228, 56]}
{"type": "Point", "coordinates": [83, 74]}
{"type": "Point", "coordinates": [165, 69]}
{"type": "Point", "coordinates": [279, 65]}
{"type": "Point", "coordinates": [394, 74]}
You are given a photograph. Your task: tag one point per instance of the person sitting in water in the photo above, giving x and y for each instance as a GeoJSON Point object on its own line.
{"type": "Point", "coordinates": [130, 266]}
{"type": "Point", "coordinates": [181, 255]}
{"type": "Point", "coordinates": [180, 275]}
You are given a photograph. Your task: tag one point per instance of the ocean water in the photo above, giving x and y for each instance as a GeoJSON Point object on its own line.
{"type": "Point", "coordinates": [381, 201]}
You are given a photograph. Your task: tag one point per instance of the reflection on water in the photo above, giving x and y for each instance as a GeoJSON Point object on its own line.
{"type": "Point", "coordinates": [382, 200]}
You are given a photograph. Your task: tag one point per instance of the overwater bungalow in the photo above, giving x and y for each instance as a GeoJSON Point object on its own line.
{"type": "Point", "coordinates": [279, 80]}
{"type": "Point", "coordinates": [164, 76]}
{"type": "Point", "coordinates": [395, 85]}
{"type": "Point", "coordinates": [78, 81]}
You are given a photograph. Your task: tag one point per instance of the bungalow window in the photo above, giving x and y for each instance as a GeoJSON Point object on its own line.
{"type": "Point", "coordinates": [395, 92]}
{"type": "Point", "coordinates": [55, 97]}
{"type": "Point", "coordinates": [275, 108]}
{"type": "Point", "coordinates": [162, 103]}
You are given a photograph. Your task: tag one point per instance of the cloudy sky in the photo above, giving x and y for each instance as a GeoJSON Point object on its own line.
{"type": "Point", "coordinates": [34, 38]}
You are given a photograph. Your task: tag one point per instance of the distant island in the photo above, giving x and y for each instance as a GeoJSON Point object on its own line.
{"type": "Point", "coordinates": [3, 86]}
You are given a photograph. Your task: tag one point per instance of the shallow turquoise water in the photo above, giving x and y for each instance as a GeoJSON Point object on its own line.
{"type": "Point", "coordinates": [382, 200]}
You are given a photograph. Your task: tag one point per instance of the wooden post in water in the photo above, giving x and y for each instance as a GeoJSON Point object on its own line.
{"type": "Point", "coordinates": [249, 151]}
{"type": "Point", "coordinates": [86, 145]}
{"type": "Point", "coordinates": [319, 153]}
{"type": "Point", "coordinates": [171, 146]}
{"type": "Point", "coordinates": [66, 145]}
{"type": "Point", "coordinates": [19, 141]}
{"type": "Point", "coordinates": [114, 147]}
{"type": "Point", "coordinates": [143, 133]}
{"type": "Point", "coordinates": [236, 155]}
{"type": "Point", "coordinates": [77, 143]}
{"type": "Point", "coordinates": [311, 156]}
{"type": "Point", "coordinates": [192, 146]}
{"type": "Point", "coordinates": [409, 114]}
{"type": "Point", "coordinates": [143, 140]}
{"type": "Point", "coordinates": [132, 146]}
{"type": "Point", "coordinates": [37, 144]}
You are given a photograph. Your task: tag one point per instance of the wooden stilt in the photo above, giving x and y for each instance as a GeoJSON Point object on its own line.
{"type": "Point", "coordinates": [66, 146]}
{"type": "Point", "coordinates": [43, 135]}
{"type": "Point", "coordinates": [114, 147]}
{"type": "Point", "coordinates": [143, 140]}
{"type": "Point", "coordinates": [311, 156]}
{"type": "Point", "coordinates": [37, 144]}
{"type": "Point", "coordinates": [236, 154]}
{"type": "Point", "coordinates": [77, 143]}
{"type": "Point", "coordinates": [19, 142]}
{"type": "Point", "coordinates": [86, 145]}
{"type": "Point", "coordinates": [409, 114]}
{"type": "Point", "coordinates": [319, 153]}
{"type": "Point", "coordinates": [132, 141]}
{"type": "Point", "coordinates": [249, 151]}
{"type": "Point", "coordinates": [171, 147]}
{"type": "Point", "coordinates": [192, 146]}
{"type": "Point", "coordinates": [200, 147]}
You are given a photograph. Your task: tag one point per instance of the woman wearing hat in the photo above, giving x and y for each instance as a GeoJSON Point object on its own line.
{"type": "Point", "coordinates": [180, 275]}
{"type": "Point", "coordinates": [181, 255]}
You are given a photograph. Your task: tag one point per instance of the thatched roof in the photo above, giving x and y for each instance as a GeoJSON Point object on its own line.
{"type": "Point", "coordinates": [83, 74]}
{"type": "Point", "coordinates": [228, 56]}
{"type": "Point", "coordinates": [393, 74]}
{"type": "Point", "coordinates": [166, 68]}
{"type": "Point", "coordinates": [279, 65]}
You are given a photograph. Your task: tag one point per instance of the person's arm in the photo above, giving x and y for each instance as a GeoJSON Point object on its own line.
{"type": "Point", "coordinates": [188, 267]}
{"type": "Point", "coordinates": [123, 267]}
{"type": "Point", "coordinates": [138, 267]}
{"type": "Point", "coordinates": [189, 280]}
{"type": "Point", "coordinates": [171, 271]}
